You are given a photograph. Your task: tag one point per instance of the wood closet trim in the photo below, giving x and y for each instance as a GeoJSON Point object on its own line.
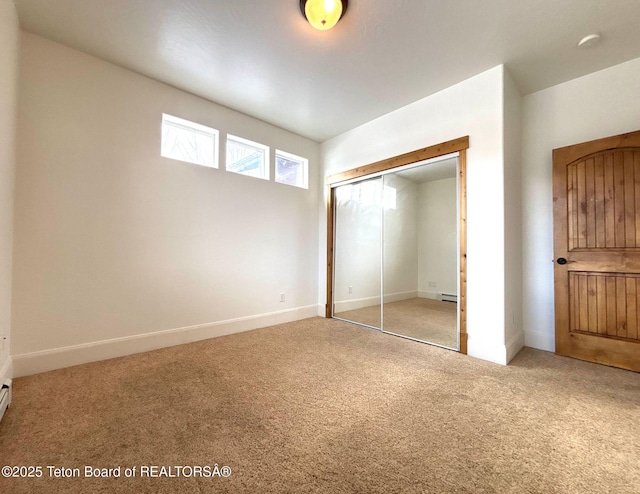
{"type": "Point", "coordinates": [460, 146]}
{"type": "Point", "coordinates": [441, 149]}
{"type": "Point", "coordinates": [462, 239]}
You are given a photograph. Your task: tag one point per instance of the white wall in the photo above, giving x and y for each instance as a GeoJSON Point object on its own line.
{"type": "Point", "coordinates": [512, 108]}
{"type": "Point", "coordinates": [9, 35]}
{"type": "Point", "coordinates": [598, 105]}
{"type": "Point", "coordinates": [118, 250]}
{"type": "Point", "coordinates": [401, 241]}
{"type": "Point", "coordinates": [438, 237]}
{"type": "Point", "coordinates": [472, 107]}
{"type": "Point", "coordinates": [357, 245]}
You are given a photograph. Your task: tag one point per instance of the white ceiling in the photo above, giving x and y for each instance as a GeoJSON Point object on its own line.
{"type": "Point", "coordinates": [262, 58]}
{"type": "Point", "coordinates": [431, 171]}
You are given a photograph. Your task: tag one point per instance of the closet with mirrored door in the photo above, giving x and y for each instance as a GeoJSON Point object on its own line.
{"type": "Point", "coordinates": [396, 247]}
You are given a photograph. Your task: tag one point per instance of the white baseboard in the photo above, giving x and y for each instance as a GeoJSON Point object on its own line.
{"type": "Point", "coordinates": [496, 352]}
{"type": "Point", "coordinates": [540, 340]}
{"type": "Point", "coordinates": [357, 303]}
{"type": "Point", "coordinates": [35, 362]}
{"type": "Point", "coordinates": [431, 295]}
{"type": "Point", "coordinates": [492, 352]}
{"type": "Point", "coordinates": [397, 297]}
{"type": "Point", "coordinates": [361, 303]}
{"type": "Point", "coordinates": [514, 345]}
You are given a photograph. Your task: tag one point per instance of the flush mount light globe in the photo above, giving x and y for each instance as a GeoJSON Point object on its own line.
{"type": "Point", "coordinates": [591, 40]}
{"type": "Point", "coordinates": [323, 14]}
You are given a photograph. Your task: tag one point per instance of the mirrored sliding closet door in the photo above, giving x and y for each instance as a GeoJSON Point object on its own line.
{"type": "Point", "coordinates": [396, 252]}
{"type": "Point", "coordinates": [358, 253]}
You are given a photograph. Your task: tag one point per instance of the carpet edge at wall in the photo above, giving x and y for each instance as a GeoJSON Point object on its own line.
{"type": "Point", "coordinates": [57, 358]}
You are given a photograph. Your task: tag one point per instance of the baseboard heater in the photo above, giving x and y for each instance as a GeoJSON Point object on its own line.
{"type": "Point", "coordinates": [447, 297]}
{"type": "Point", "coordinates": [5, 396]}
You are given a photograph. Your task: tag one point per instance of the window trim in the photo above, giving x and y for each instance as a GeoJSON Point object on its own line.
{"type": "Point", "coordinates": [265, 168]}
{"type": "Point", "coordinates": [195, 127]}
{"type": "Point", "coordinates": [293, 157]}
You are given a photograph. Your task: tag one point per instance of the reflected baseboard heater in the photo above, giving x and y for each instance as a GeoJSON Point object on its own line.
{"type": "Point", "coordinates": [447, 297]}
{"type": "Point", "coordinates": [5, 396]}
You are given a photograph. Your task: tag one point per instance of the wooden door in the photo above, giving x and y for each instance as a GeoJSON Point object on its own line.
{"type": "Point", "coordinates": [596, 194]}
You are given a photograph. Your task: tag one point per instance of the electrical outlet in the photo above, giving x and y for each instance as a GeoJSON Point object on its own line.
{"type": "Point", "coordinates": [282, 297]}
{"type": "Point", "coordinates": [350, 289]}
{"type": "Point", "coordinates": [433, 284]}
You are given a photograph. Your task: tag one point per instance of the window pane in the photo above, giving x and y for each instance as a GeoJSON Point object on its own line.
{"type": "Point", "coordinates": [291, 169]}
{"type": "Point", "coordinates": [188, 141]}
{"type": "Point", "coordinates": [247, 158]}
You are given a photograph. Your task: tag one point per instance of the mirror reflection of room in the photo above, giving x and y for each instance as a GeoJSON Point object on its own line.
{"type": "Point", "coordinates": [397, 243]}
{"type": "Point", "coordinates": [358, 252]}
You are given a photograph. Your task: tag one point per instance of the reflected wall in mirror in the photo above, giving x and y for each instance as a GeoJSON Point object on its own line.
{"type": "Point", "coordinates": [396, 240]}
{"type": "Point", "coordinates": [421, 254]}
{"type": "Point", "coordinates": [357, 252]}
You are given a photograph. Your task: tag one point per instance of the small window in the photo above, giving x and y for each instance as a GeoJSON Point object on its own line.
{"type": "Point", "coordinates": [247, 157]}
{"type": "Point", "coordinates": [183, 140]}
{"type": "Point", "coordinates": [292, 169]}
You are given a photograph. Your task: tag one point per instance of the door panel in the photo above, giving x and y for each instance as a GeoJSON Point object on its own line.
{"type": "Point", "coordinates": [358, 247]}
{"type": "Point", "coordinates": [602, 201]}
{"type": "Point", "coordinates": [421, 254]}
{"type": "Point", "coordinates": [604, 305]}
{"type": "Point", "coordinates": [597, 230]}
{"type": "Point", "coordinates": [400, 253]}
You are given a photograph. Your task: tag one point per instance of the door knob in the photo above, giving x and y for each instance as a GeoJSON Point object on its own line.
{"type": "Point", "coordinates": [561, 260]}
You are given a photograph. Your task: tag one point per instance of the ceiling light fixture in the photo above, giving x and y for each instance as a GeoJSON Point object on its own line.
{"type": "Point", "coordinates": [323, 14]}
{"type": "Point", "coordinates": [590, 40]}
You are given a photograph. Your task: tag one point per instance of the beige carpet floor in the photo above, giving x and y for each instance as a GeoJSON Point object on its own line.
{"type": "Point", "coordinates": [328, 407]}
{"type": "Point", "coordinates": [425, 319]}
